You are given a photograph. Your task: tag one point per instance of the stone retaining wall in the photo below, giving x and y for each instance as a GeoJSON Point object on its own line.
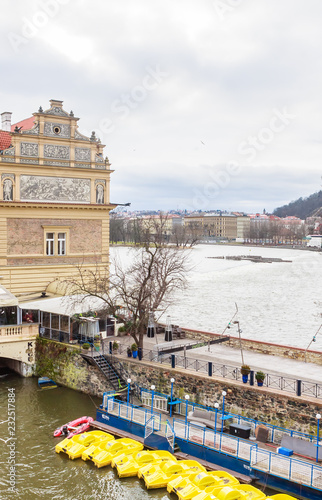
{"type": "Point", "coordinates": [261, 347]}
{"type": "Point", "coordinates": [66, 367]}
{"type": "Point", "coordinates": [260, 403]}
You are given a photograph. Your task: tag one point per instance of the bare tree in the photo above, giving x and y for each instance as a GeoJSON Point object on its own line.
{"type": "Point", "coordinates": [146, 284]}
{"type": "Point", "coordinates": [187, 235]}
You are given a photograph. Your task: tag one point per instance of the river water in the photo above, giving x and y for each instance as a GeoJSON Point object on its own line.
{"type": "Point", "coordinates": [40, 472]}
{"type": "Point", "coordinates": [277, 302]}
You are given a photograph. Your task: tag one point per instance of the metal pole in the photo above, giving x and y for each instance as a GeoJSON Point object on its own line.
{"type": "Point", "coordinates": [187, 397]}
{"type": "Point", "coordinates": [152, 389]}
{"type": "Point", "coordinates": [128, 397]}
{"type": "Point", "coordinates": [240, 342]}
{"type": "Point", "coordinates": [128, 389]}
{"type": "Point", "coordinates": [216, 409]}
{"type": "Point", "coordinates": [172, 382]}
{"type": "Point", "coordinates": [318, 416]}
{"type": "Point", "coordinates": [223, 410]}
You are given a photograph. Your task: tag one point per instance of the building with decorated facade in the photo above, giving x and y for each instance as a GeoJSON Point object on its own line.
{"type": "Point", "coordinates": [54, 200]}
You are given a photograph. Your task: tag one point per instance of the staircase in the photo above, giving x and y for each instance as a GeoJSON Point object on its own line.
{"type": "Point", "coordinates": [115, 379]}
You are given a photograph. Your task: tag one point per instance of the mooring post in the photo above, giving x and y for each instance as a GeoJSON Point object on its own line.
{"type": "Point", "coordinates": [209, 368]}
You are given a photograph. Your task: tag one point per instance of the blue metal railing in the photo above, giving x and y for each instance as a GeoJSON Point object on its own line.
{"type": "Point", "coordinates": [290, 468]}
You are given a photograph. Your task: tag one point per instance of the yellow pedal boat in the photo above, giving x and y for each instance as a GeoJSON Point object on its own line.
{"type": "Point", "coordinates": [104, 454]}
{"type": "Point", "coordinates": [189, 486]}
{"type": "Point", "coordinates": [86, 454]}
{"type": "Point", "coordinates": [203, 495]}
{"type": "Point", "coordinates": [85, 439]}
{"type": "Point", "coordinates": [162, 458]}
{"type": "Point", "coordinates": [281, 496]}
{"type": "Point", "coordinates": [170, 470]}
{"type": "Point", "coordinates": [239, 492]}
{"type": "Point", "coordinates": [128, 465]}
{"type": "Point", "coordinates": [77, 450]}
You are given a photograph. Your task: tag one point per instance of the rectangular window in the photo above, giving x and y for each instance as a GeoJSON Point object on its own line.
{"type": "Point", "coordinates": [61, 243]}
{"type": "Point", "coordinates": [49, 243]}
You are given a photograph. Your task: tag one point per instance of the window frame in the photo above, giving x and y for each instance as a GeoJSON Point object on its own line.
{"type": "Point", "coordinates": [60, 245]}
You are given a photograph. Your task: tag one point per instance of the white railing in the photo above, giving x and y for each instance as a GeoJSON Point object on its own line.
{"type": "Point", "coordinates": [216, 440]}
{"type": "Point", "coordinates": [159, 402]}
{"type": "Point", "coordinates": [289, 468]}
{"type": "Point", "coordinates": [149, 426]}
{"type": "Point", "coordinates": [170, 435]}
{"type": "Point", "coordinates": [132, 413]}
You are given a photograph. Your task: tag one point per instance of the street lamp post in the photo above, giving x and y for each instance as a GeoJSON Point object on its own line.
{"type": "Point", "coordinates": [172, 382]}
{"type": "Point", "coordinates": [318, 416]}
{"type": "Point", "coordinates": [240, 342]}
{"type": "Point", "coordinates": [216, 405]}
{"type": "Point", "coordinates": [128, 389]}
{"type": "Point", "coordinates": [152, 389]}
{"type": "Point", "coordinates": [223, 410]}
{"type": "Point", "coordinates": [187, 397]}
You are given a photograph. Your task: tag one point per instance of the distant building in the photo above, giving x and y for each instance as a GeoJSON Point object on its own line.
{"type": "Point", "coordinates": [221, 225]}
{"type": "Point", "coordinates": [315, 240]}
{"type": "Point", "coordinates": [54, 200]}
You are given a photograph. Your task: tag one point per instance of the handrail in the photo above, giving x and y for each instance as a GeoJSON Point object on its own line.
{"type": "Point", "coordinates": [286, 384]}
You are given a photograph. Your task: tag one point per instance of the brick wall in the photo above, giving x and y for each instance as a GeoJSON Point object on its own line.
{"type": "Point", "coordinates": [26, 236]}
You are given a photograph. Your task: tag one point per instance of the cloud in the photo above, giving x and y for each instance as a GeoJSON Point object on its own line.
{"type": "Point", "coordinates": [224, 77]}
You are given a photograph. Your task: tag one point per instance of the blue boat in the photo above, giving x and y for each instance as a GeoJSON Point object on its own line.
{"type": "Point", "coordinates": [267, 464]}
{"type": "Point", "coordinates": [46, 383]}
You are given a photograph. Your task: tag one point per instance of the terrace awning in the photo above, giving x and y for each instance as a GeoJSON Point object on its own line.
{"type": "Point", "coordinates": [7, 299]}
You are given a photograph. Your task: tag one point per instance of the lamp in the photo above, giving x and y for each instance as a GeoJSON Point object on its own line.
{"type": "Point", "coordinates": [151, 328]}
{"type": "Point", "coordinates": [240, 342]}
{"type": "Point", "coordinates": [216, 405]}
{"type": "Point", "coordinates": [152, 389]}
{"type": "Point", "coordinates": [224, 393]}
{"type": "Point", "coordinates": [168, 330]}
{"type": "Point", "coordinates": [172, 382]}
{"type": "Point", "coordinates": [318, 417]}
{"type": "Point", "coordinates": [187, 397]}
{"type": "Point", "coordinates": [128, 389]}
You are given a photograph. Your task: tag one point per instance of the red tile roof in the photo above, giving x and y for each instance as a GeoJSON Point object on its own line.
{"type": "Point", "coordinates": [26, 124]}
{"type": "Point", "coordinates": [5, 139]}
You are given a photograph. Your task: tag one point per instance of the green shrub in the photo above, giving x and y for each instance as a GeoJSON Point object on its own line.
{"type": "Point", "coordinates": [245, 370]}
{"type": "Point", "coordinates": [134, 347]}
{"type": "Point", "coordinates": [260, 376]}
{"type": "Point", "coordinates": [86, 345]}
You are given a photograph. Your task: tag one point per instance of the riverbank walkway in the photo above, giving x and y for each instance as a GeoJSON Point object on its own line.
{"type": "Point", "coordinates": [225, 355]}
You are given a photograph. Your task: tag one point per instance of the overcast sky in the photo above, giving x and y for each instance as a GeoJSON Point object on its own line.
{"type": "Point", "coordinates": [201, 104]}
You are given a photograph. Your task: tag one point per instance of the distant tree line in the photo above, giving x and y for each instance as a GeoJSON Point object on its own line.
{"type": "Point", "coordinates": [275, 232]}
{"type": "Point", "coordinates": [302, 208]}
{"type": "Point", "coordinates": [136, 231]}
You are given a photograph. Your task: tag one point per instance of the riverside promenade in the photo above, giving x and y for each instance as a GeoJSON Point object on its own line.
{"type": "Point", "coordinates": [225, 355]}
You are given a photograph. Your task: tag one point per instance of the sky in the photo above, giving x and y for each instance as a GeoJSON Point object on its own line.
{"type": "Point", "coordinates": [208, 104]}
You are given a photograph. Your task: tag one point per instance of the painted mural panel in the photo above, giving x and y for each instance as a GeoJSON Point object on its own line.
{"type": "Point", "coordinates": [53, 189]}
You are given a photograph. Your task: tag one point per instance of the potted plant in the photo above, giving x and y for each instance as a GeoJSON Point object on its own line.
{"type": "Point", "coordinates": [134, 349]}
{"type": "Point", "coordinates": [245, 371]}
{"type": "Point", "coordinates": [129, 352]}
{"type": "Point", "coordinates": [86, 346]}
{"type": "Point", "coordinates": [115, 345]}
{"type": "Point", "coordinates": [260, 377]}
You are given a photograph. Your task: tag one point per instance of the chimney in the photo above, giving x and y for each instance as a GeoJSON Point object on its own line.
{"type": "Point", "coordinates": [6, 121]}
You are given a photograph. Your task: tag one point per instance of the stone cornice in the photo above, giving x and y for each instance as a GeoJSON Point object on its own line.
{"type": "Point", "coordinates": [75, 206]}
